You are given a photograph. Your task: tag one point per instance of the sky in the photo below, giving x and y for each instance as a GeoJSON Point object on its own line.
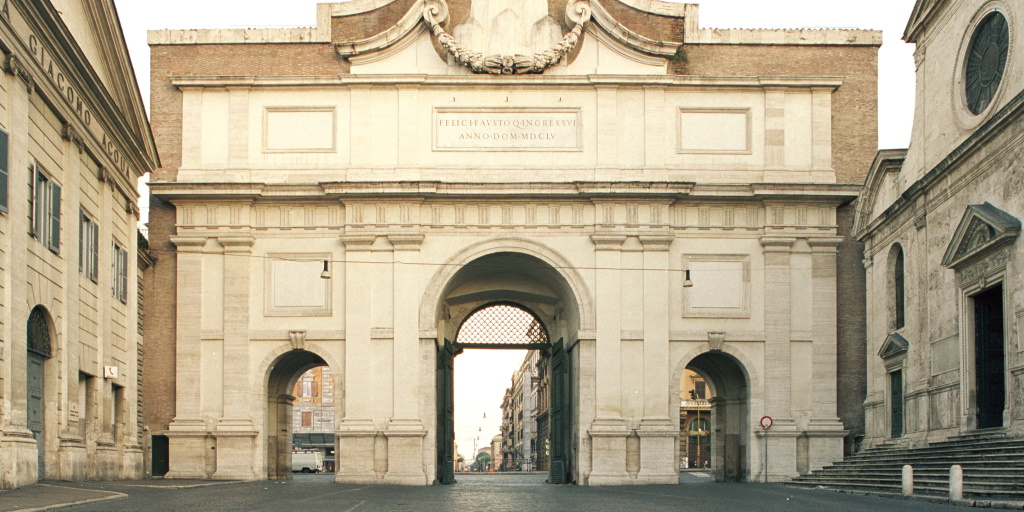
{"type": "Point", "coordinates": [481, 376]}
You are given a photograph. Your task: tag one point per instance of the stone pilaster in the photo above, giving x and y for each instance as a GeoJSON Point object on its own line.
{"type": "Point", "coordinates": [238, 127]}
{"type": "Point", "coordinates": [608, 431]}
{"type": "Point", "coordinates": [236, 433]}
{"type": "Point", "coordinates": [777, 357]}
{"type": "Point", "coordinates": [659, 427]}
{"type": "Point", "coordinates": [825, 431]}
{"type": "Point", "coordinates": [405, 431]}
{"type": "Point", "coordinates": [187, 432]}
{"type": "Point", "coordinates": [355, 433]}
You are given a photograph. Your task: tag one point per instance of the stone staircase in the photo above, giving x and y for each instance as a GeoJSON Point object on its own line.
{"type": "Point", "coordinates": [993, 465]}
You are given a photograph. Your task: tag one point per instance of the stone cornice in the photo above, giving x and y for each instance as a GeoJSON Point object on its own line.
{"type": "Point", "coordinates": [832, 194]}
{"type": "Point", "coordinates": [760, 82]}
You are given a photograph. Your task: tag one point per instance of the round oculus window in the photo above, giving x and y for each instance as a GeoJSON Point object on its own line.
{"type": "Point", "coordinates": [986, 61]}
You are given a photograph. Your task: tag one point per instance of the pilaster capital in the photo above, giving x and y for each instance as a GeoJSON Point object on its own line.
{"type": "Point", "coordinates": [237, 244]}
{"type": "Point", "coordinates": [410, 242]}
{"type": "Point", "coordinates": [825, 244]}
{"type": "Point", "coordinates": [657, 242]}
{"type": "Point", "coordinates": [188, 243]}
{"type": "Point", "coordinates": [608, 242]}
{"type": "Point", "coordinates": [777, 243]}
{"type": "Point", "coordinates": [358, 242]}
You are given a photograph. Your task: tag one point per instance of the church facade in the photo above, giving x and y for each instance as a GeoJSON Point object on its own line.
{"type": "Point", "coordinates": [654, 195]}
{"type": "Point", "coordinates": [74, 139]}
{"type": "Point", "coordinates": [940, 223]}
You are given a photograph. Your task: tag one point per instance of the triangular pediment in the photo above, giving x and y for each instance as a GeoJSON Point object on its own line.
{"type": "Point", "coordinates": [894, 345]}
{"type": "Point", "coordinates": [94, 28]}
{"type": "Point", "coordinates": [982, 228]}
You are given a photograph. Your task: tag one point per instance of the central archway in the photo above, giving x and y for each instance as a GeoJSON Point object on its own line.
{"type": "Point", "coordinates": [530, 304]}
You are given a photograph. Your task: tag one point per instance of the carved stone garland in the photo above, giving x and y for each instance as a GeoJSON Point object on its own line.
{"type": "Point", "coordinates": [579, 11]}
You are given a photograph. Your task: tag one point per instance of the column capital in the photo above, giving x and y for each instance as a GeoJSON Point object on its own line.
{"type": "Point", "coordinates": [608, 242]}
{"type": "Point", "coordinates": [825, 243]}
{"type": "Point", "coordinates": [410, 242]}
{"type": "Point", "coordinates": [237, 244]}
{"type": "Point", "coordinates": [777, 243]}
{"type": "Point", "coordinates": [358, 242]}
{"type": "Point", "coordinates": [189, 243]}
{"type": "Point", "coordinates": [657, 243]}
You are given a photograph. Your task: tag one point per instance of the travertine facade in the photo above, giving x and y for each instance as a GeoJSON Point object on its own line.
{"type": "Point", "coordinates": [74, 139]}
{"type": "Point", "coordinates": [433, 188]}
{"type": "Point", "coordinates": [940, 223]}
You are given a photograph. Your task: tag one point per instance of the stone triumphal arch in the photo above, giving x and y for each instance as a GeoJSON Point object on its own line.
{"type": "Point", "coordinates": [656, 195]}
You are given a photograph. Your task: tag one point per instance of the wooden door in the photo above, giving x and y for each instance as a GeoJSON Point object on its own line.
{"type": "Point", "coordinates": [990, 359]}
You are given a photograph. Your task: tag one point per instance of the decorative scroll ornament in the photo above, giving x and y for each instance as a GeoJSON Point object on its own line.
{"type": "Point", "coordinates": [577, 11]}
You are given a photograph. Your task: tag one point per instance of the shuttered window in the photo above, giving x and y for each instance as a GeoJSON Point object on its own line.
{"type": "Point", "coordinates": [119, 272]}
{"type": "Point", "coordinates": [88, 247]}
{"type": "Point", "coordinates": [3, 171]}
{"type": "Point", "coordinates": [44, 208]}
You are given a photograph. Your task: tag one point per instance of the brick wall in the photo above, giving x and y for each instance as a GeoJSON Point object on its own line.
{"type": "Point", "coordinates": [165, 102]}
{"type": "Point", "coordinates": [851, 348]}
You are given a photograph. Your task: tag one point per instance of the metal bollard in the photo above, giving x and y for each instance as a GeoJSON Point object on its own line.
{"type": "Point", "coordinates": [956, 482]}
{"type": "Point", "coordinates": [908, 480]}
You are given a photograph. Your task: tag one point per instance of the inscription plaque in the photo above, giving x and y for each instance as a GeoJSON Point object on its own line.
{"type": "Point", "coordinates": [506, 129]}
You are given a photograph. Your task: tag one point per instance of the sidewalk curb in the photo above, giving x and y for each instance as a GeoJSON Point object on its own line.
{"type": "Point", "coordinates": [113, 496]}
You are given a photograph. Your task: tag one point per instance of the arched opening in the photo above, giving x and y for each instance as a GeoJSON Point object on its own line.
{"type": "Point", "coordinates": [728, 414]}
{"type": "Point", "coordinates": [286, 387]}
{"type": "Point", "coordinates": [509, 300]}
{"type": "Point", "coordinates": [38, 341]}
{"type": "Point", "coordinates": [897, 290]}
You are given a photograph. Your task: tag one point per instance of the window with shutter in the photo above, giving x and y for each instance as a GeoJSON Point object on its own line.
{"type": "Point", "coordinates": [44, 208]}
{"type": "Point", "coordinates": [88, 249]}
{"type": "Point", "coordinates": [53, 238]}
{"type": "Point", "coordinates": [3, 171]}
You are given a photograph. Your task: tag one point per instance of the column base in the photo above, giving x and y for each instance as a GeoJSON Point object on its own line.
{"type": "Point", "coordinates": [405, 453]}
{"type": "Point", "coordinates": [236, 451]}
{"type": "Point", "coordinates": [18, 459]}
{"type": "Point", "coordinates": [190, 449]}
{"type": "Point", "coordinates": [658, 439]}
{"type": "Point", "coordinates": [356, 442]}
{"type": "Point", "coordinates": [608, 452]}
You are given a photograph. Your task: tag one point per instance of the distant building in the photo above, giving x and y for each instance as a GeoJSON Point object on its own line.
{"type": "Point", "coordinates": [313, 413]}
{"type": "Point", "coordinates": [523, 416]}
{"type": "Point", "coordinates": [74, 140]}
{"type": "Point", "coordinates": [694, 422]}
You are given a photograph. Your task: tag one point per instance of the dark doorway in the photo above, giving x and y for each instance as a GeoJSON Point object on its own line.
{"type": "Point", "coordinates": [989, 357]}
{"type": "Point", "coordinates": [38, 341]}
{"type": "Point", "coordinates": [161, 456]}
{"type": "Point", "coordinates": [896, 403]}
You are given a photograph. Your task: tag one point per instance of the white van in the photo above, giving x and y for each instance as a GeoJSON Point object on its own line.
{"type": "Point", "coordinates": [307, 462]}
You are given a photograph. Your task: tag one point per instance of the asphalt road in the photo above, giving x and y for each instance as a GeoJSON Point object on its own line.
{"type": "Point", "coordinates": [473, 492]}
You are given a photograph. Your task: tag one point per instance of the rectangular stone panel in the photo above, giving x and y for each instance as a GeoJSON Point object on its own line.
{"type": "Point", "coordinates": [714, 130]}
{"type": "Point", "coordinates": [506, 129]}
{"type": "Point", "coordinates": [721, 286]}
{"type": "Point", "coordinates": [299, 129]}
{"type": "Point", "coordinates": [294, 286]}
{"type": "Point", "coordinates": [945, 355]}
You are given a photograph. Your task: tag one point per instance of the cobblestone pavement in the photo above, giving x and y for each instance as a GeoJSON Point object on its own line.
{"type": "Point", "coordinates": [493, 493]}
